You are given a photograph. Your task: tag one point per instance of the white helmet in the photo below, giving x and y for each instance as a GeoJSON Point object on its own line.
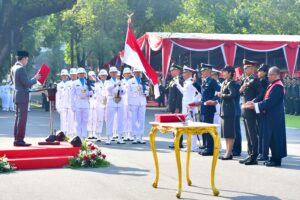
{"type": "Point", "coordinates": [64, 72]}
{"type": "Point", "coordinates": [81, 70]}
{"type": "Point", "coordinates": [73, 71]}
{"type": "Point", "coordinates": [91, 73]}
{"type": "Point", "coordinates": [137, 70]}
{"type": "Point", "coordinates": [126, 70]}
{"type": "Point", "coordinates": [113, 69]}
{"type": "Point", "coordinates": [103, 72]}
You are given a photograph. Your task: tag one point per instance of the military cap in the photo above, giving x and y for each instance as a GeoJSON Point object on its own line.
{"type": "Point", "coordinates": [64, 72]}
{"type": "Point", "coordinates": [264, 68]}
{"type": "Point", "coordinates": [81, 70]}
{"type": "Point", "coordinates": [91, 73]}
{"type": "Point", "coordinates": [186, 68]}
{"type": "Point", "coordinates": [205, 66]}
{"type": "Point", "coordinates": [73, 71]}
{"type": "Point", "coordinates": [22, 53]}
{"type": "Point", "coordinates": [174, 66]}
{"type": "Point", "coordinates": [113, 69]}
{"type": "Point", "coordinates": [229, 69]}
{"type": "Point", "coordinates": [249, 62]}
{"type": "Point", "coordinates": [103, 72]}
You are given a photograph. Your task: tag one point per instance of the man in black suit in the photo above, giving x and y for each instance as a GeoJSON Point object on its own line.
{"type": "Point", "coordinates": [175, 96]}
{"type": "Point", "coordinates": [251, 90]}
{"type": "Point", "coordinates": [21, 96]}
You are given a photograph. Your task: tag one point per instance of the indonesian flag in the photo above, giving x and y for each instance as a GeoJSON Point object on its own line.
{"type": "Point", "coordinates": [134, 57]}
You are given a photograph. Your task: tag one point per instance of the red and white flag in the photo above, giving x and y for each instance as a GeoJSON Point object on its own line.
{"type": "Point", "coordinates": [134, 57]}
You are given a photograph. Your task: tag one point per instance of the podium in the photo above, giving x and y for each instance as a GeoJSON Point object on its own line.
{"type": "Point", "coordinates": [50, 94]}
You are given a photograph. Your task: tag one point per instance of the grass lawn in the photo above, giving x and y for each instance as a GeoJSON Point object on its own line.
{"type": "Point", "coordinates": [292, 121]}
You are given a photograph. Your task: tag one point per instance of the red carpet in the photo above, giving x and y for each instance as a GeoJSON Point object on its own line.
{"type": "Point", "coordinates": [38, 157]}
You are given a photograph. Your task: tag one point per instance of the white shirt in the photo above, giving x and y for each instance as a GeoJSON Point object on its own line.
{"type": "Point", "coordinates": [80, 95]}
{"type": "Point", "coordinates": [136, 95]}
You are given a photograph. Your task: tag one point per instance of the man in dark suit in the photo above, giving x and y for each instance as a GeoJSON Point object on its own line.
{"type": "Point", "coordinates": [175, 96]}
{"type": "Point", "coordinates": [209, 99]}
{"type": "Point", "coordinates": [21, 96]}
{"type": "Point", "coordinates": [251, 90]}
{"type": "Point", "coordinates": [273, 117]}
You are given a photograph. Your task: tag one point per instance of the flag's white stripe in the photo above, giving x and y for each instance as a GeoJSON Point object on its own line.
{"type": "Point", "coordinates": [132, 58]}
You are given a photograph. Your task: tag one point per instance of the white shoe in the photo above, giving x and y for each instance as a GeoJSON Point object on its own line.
{"type": "Point", "coordinates": [108, 142]}
{"type": "Point", "coordinates": [141, 141]}
{"type": "Point", "coordinates": [192, 150]}
{"type": "Point", "coordinates": [120, 141]}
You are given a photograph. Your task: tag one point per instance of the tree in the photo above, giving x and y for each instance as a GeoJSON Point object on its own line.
{"type": "Point", "coordinates": [14, 15]}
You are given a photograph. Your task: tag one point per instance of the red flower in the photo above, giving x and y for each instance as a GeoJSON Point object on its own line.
{"type": "Point", "coordinates": [85, 157]}
{"type": "Point", "coordinates": [103, 156]}
{"type": "Point", "coordinates": [93, 156]}
{"type": "Point", "coordinates": [92, 148]}
{"type": "Point", "coordinates": [90, 144]}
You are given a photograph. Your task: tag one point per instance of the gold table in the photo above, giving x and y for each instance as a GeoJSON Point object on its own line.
{"type": "Point", "coordinates": [190, 128]}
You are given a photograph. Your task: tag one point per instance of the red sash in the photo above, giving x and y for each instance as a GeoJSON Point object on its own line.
{"type": "Point", "coordinates": [270, 87]}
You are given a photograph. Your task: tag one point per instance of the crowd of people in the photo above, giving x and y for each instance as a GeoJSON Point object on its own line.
{"type": "Point", "coordinates": [254, 98]}
{"type": "Point", "coordinates": [87, 101]}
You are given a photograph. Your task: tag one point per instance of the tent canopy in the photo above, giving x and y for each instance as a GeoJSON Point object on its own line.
{"type": "Point", "coordinates": [220, 49]}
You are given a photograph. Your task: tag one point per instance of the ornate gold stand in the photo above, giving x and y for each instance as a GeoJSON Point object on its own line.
{"type": "Point", "coordinates": [194, 128]}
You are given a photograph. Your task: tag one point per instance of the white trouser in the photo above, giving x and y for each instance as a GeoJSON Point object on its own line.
{"type": "Point", "coordinates": [111, 112]}
{"type": "Point", "coordinates": [11, 104]}
{"type": "Point", "coordinates": [5, 102]}
{"type": "Point", "coordinates": [101, 112]}
{"type": "Point", "coordinates": [63, 119]}
{"type": "Point", "coordinates": [138, 120]}
{"type": "Point", "coordinates": [127, 121]}
{"type": "Point", "coordinates": [185, 110]}
{"type": "Point", "coordinates": [71, 122]}
{"type": "Point", "coordinates": [92, 123]}
{"type": "Point", "coordinates": [82, 115]}
{"type": "Point", "coordinates": [115, 124]}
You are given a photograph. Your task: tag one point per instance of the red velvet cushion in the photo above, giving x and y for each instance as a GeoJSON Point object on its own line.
{"type": "Point", "coordinates": [169, 117]}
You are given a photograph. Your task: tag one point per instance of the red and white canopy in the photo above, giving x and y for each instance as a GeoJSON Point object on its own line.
{"type": "Point", "coordinates": [155, 41]}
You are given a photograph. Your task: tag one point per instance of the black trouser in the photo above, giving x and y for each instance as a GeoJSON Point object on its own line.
{"type": "Point", "coordinates": [208, 141]}
{"type": "Point", "coordinates": [237, 147]}
{"type": "Point", "coordinates": [21, 121]}
{"type": "Point", "coordinates": [251, 128]}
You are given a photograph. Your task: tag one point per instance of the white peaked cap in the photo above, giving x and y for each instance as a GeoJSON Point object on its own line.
{"type": "Point", "coordinates": [186, 68]}
{"type": "Point", "coordinates": [73, 71]}
{"type": "Point", "coordinates": [137, 70]}
{"type": "Point", "coordinates": [103, 72]}
{"type": "Point", "coordinates": [215, 70]}
{"type": "Point", "coordinates": [126, 70]}
{"type": "Point", "coordinates": [64, 72]}
{"type": "Point", "coordinates": [91, 73]}
{"type": "Point", "coordinates": [81, 70]}
{"type": "Point", "coordinates": [113, 69]}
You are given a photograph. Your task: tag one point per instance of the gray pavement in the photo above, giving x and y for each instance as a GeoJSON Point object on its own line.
{"type": "Point", "coordinates": [132, 171]}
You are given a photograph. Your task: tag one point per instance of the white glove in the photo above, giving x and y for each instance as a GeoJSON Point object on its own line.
{"type": "Point", "coordinates": [146, 93]}
{"type": "Point", "coordinates": [91, 93]}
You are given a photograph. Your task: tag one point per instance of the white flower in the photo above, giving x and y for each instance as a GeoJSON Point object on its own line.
{"type": "Point", "coordinates": [7, 166]}
{"type": "Point", "coordinates": [4, 159]}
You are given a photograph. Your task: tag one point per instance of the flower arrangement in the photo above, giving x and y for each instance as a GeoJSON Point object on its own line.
{"type": "Point", "coordinates": [90, 156]}
{"type": "Point", "coordinates": [5, 166]}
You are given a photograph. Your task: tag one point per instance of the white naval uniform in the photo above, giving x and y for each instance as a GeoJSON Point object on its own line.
{"type": "Point", "coordinates": [80, 105]}
{"type": "Point", "coordinates": [137, 105]}
{"type": "Point", "coordinates": [101, 95]}
{"type": "Point", "coordinates": [11, 104]}
{"type": "Point", "coordinates": [71, 119]}
{"type": "Point", "coordinates": [127, 113]}
{"type": "Point", "coordinates": [61, 101]}
{"type": "Point", "coordinates": [5, 97]}
{"type": "Point", "coordinates": [189, 95]}
{"type": "Point", "coordinates": [113, 108]}
{"type": "Point", "coordinates": [92, 121]}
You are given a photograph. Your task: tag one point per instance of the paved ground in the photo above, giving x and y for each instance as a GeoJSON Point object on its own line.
{"type": "Point", "coordinates": [132, 172]}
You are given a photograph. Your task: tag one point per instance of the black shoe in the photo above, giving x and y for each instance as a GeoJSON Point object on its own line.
{"type": "Point", "coordinates": [98, 140]}
{"type": "Point", "coordinates": [202, 147]}
{"type": "Point", "coordinates": [251, 161]}
{"type": "Point", "coordinates": [262, 158]}
{"type": "Point", "coordinates": [21, 144]}
{"type": "Point", "coordinates": [172, 146]}
{"type": "Point", "coordinates": [227, 158]}
{"type": "Point", "coordinates": [273, 164]}
{"type": "Point", "coordinates": [244, 160]}
{"type": "Point", "coordinates": [206, 152]}
{"type": "Point", "coordinates": [235, 154]}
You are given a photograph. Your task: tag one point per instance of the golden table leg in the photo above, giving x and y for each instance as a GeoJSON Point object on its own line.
{"type": "Point", "coordinates": [153, 148]}
{"type": "Point", "coordinates": [177, 153]}
{"type": "Point", "coordinates": [189, 138]}
{"type": "Point", "coordinates": [214, 162]}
